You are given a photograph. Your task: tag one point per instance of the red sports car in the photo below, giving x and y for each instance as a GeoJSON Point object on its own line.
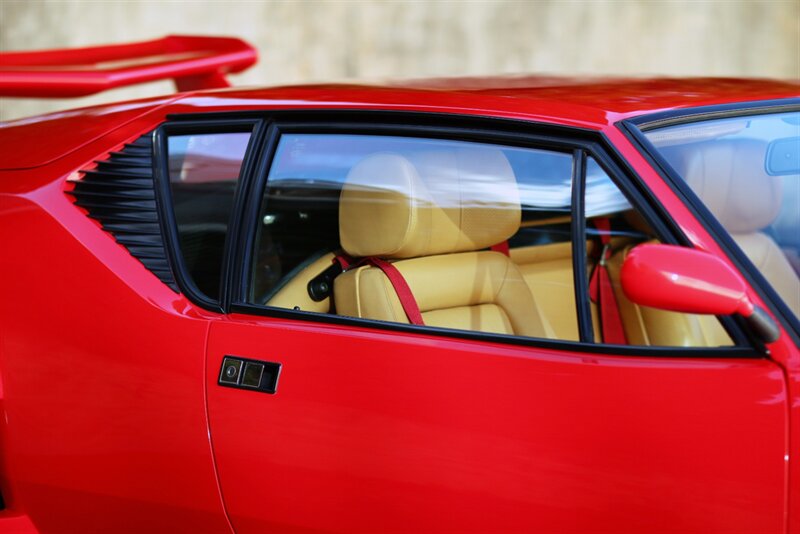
{"type": "Point", "coordinates": [514, 304]}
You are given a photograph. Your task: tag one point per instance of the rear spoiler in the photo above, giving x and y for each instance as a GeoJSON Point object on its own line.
{"type": "Point", "coordinates": [192, 62]}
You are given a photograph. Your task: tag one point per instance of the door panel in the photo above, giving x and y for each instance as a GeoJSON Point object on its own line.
{"type": "Point", "coordinates": [377, 431]}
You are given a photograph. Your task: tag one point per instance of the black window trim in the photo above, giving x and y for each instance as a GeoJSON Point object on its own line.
{"type": "Point", "coordinates": [509, 132]}
{"type": "Point", "coordinates": [634, 130]}
{"type": "Point", "coordinates": [164, 199]}
{"type": "Point", "coordinates": [578, 237]}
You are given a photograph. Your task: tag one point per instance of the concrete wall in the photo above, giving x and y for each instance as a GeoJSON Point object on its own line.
{"type": "Point", "coordinates": [336, 40]}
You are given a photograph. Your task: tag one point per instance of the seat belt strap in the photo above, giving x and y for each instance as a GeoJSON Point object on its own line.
{"type": "Point", "coordinates": [401, 289]}
{"type": "Point", "coordinates": [502, 248]}
{"type": "Point", "coordinates": [344, 261]}
{"type": "Point", "coordinates": [407, 300]}
{"type": "Point", "coordinates": [601, 291]}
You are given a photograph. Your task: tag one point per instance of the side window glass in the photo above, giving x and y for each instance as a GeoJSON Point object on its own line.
{"type": "Point", "coordinates": [478, 235]}
{"type": "Point", "coordinates": [432, 209]}
{"type": "Point", "coordinates": [613, 229]}
{"type": "Point", "coordinates": [203, 173]}
{"type": "Point", "coordinates": [542, 248]}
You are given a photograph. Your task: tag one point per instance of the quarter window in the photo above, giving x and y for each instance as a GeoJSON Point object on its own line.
{"type": "Point", "coordinates": [203, 173]}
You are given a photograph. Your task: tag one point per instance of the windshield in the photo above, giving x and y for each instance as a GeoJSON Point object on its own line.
{"type": "Point", "coordinates": [747, 172]}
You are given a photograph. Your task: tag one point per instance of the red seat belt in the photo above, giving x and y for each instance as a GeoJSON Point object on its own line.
{"type": "Point", "coordinates": [407, 300]}
{"type": "Point", "coordinates": [602, 292]}
{"type": "Point", "coordinates": [502, 248]}
{"type": "Point", "coordinates": [344, 261]}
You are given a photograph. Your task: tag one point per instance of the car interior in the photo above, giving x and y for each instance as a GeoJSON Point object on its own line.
{"type": "Point", "coordinates": [418, 211]}
{"type": "Point", "coordinates": [746, 171]}
{"type": "Point", "coordinates": [731, 179]}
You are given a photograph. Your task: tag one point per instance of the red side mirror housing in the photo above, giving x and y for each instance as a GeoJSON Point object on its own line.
{"type": "Point", "coordinates": [687, 280]}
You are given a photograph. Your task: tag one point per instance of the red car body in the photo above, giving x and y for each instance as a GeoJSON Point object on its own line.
{"type": "Point", "coordinates": [113, 420]}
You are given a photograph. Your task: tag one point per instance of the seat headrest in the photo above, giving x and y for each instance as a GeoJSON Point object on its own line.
{"type": "Point", "coordinates": [730, 178]}
{"type": "Point", "coordinates": [393, 206]}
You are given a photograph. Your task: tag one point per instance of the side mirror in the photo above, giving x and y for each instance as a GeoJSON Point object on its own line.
{"type": "Point", "coordinates": [691, 281]}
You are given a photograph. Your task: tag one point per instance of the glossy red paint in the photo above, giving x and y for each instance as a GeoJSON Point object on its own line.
{"type": "Point", "coordinates": [529, 99]}
{"type": "Point", "coordinates": [193, 62]}
{"type": "Point", "coordinates": [784, 351]}
{"type": "Point", "coordinates": [66, 132]}
{"type": "Point", "coordinates": [102, 369]}
{"type": "Point", "coordinates": [110, 404]}
{"type": "Point", "coordinates": [378, 431]}
{"type": "Point", "coordinates": [683, 280]}
{"type": "Point", "coordinates": [620, 95]}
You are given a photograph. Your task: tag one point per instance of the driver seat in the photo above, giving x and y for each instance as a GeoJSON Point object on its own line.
{"type": "Point", "coordinates": [433, 218]}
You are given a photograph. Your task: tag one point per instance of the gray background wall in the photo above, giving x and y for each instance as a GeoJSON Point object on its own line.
{"type": "Point", "coordinates": [304, 41]}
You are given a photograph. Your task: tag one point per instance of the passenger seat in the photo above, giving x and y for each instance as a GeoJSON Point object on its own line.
{"type": "Point", "coordinates": [647, 326]}
{"type": "Point", "coordinates": [730, 178]}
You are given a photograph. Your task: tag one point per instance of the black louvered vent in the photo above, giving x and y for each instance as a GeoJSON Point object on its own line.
{"type": "Point", "coordinates": [120, 193]}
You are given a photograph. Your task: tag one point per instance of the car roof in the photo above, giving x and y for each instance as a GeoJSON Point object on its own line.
{"type": "Point", "coordinates": [622, 95]}
{"type": "Point", "coordinates": [590, 102]}
{"type": "Point", "coordinates": [593, 103]}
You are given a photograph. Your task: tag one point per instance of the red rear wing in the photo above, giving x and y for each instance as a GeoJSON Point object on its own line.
{"type": "Point", "coordinates": [193, 62]}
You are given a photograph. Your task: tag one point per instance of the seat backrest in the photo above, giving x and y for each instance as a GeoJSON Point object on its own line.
{"type": "Point", "coordinates": [432, 214]}
{"type": "Point", "coordinates": [293, 294]}
{"type": "Point", "coordinates": [547, 270]}
{"type": "Point", "coordinates": [770, 260]}
{"type": "Point", "coordinates": [730, 178]}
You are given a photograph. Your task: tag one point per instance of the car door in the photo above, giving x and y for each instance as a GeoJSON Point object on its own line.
{"type": "Point", "coordinates": [762, 154]}
{"type": "Point", "coordinates": [322, 422]}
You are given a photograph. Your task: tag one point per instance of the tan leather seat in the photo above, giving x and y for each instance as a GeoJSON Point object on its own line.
{"type": "Point", "coordinates": [653, 327]}
{"type": "Point", "coordinates": [547, 269]}
{"type": "Point", "coordinates": [730, 178]}
{"type": "Point", "coordinates": [294, 293]}
{"type": "Point", "coordinates": [432, 217]}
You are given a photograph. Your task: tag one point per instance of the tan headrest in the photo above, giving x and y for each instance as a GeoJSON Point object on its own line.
{"type": "Point", "coordinates": [730, 178]}
{"type": "Point", "coordinates": [453, 201]}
